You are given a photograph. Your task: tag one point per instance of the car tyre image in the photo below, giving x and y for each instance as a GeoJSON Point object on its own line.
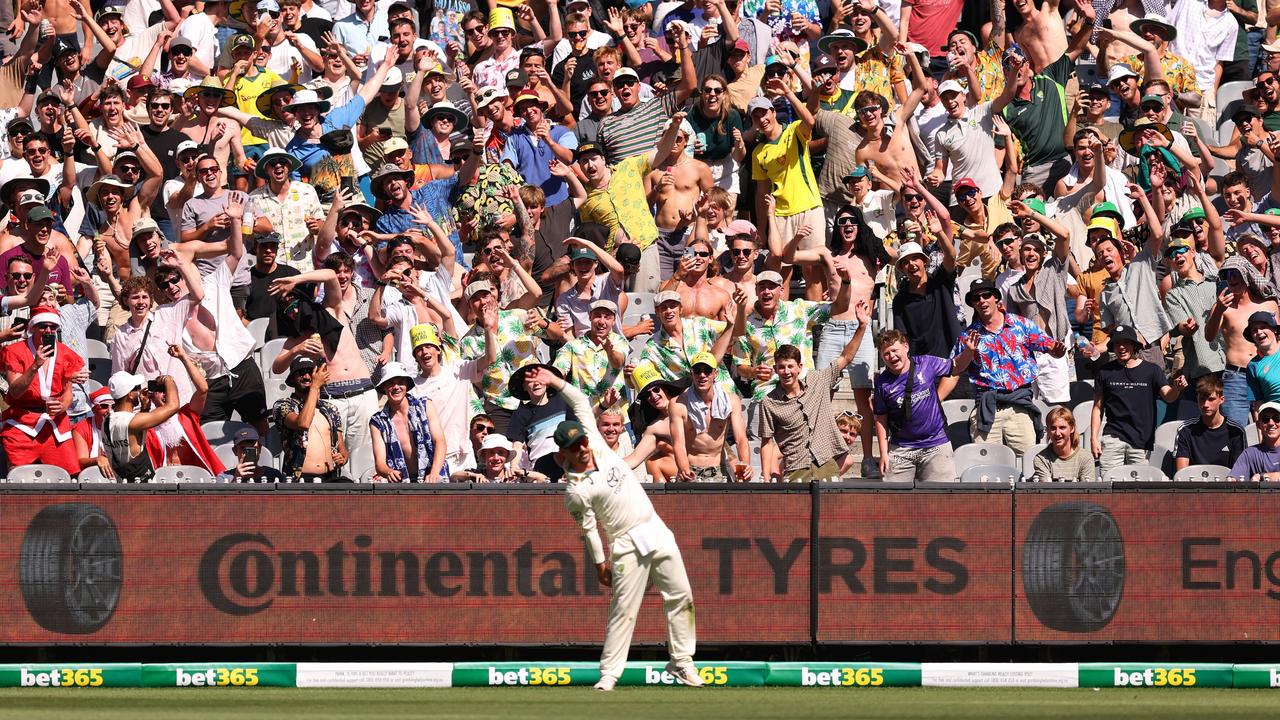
{"type": "Point", "coordinates": [70, 569]}
{"type": "Point", "coordinates": [1073, 567]}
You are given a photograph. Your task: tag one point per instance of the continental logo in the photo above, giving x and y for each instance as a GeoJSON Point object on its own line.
{"type": "Point", "coordinates": [61, 677]}
{"type": "Point", "coordinates": [843, 677]}
{"type": "Point", "coordinates": [216, 677]}
{"type": "Point", "coordinates": [1159, 677]}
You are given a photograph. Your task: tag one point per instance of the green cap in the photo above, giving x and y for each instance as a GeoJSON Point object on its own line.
{"type": "Point", "coordinates": [1272, 211]}
{"type": "Point", "coordinates": [1035, 204]}
{"type": "Point", "coordinates": [1108, 209]}
{"type": "Point", "coordinates": [569, 432]}
{"type": "Point", "coordinates": [579, 252]}
{"type": "Point", "coordinates": [39, 213]}
{"type": "Point", "coordinates": [1194, 213]}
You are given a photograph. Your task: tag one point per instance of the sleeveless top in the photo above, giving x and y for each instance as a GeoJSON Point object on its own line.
{"type": "Point", "coordinates": [116, 435]}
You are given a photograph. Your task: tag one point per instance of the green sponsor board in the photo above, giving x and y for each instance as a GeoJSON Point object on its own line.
{"type": "Point", "coordinates": [1213, 675]}
{"type": "Point", "coordinates": [1256, 676]}
{"type": "Point", "coordinates": [220, 675]}
{"type": "Point", "coordinates": [498, 674]}
{"type": "Point", "coordinates": [71, 675]}
{"type": "Point", "coordinates": [850, 674]}
{"type": "Point", "coordinates": [725, 674]}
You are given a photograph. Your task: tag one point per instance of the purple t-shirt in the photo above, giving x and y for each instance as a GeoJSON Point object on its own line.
{"type": "Point", "coordinates": [61, 273]}
{"type": "Point", "coordinates": [926, 428]}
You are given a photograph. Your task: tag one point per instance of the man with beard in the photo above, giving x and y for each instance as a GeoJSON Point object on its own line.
{"type": "Point", "coordinates": [39, 372]}
{"type": "Point", "coordinates": [315, 119]}
{"type": "Point", "coordinates": [180, 440]}
{"type": "Point", "coordinates": [409, 443]}
{"type": "Point", "coordinates": [289, 208]}
{"type": "Point", "coordinates": [701, 419]}
{"type": "Point", "coordinates": [447, 380]}
{"type": "Point", "coordinates": [127, 425]}
{"type": "Point", "coordinates": [317, 335]}
{"type": "Point", "coordinates": [261, 303]}
{"type": "Point", "coordinates": [205, 126]}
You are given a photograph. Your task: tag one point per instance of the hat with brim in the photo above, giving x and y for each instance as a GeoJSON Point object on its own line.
{"type": "Point", "coordinates": [386, 172]}
{"type": "Point", "coordinates": [210, 84]}
{"type": "Point", "coordinates": [108, 181]}
{"type": "Point", "coordinates": [516, 385]}
{"type": "Point", "coordinates": [1263, 318]}
{"type": "Point", "coordinates": [260, 171]}
{"type": "Point", "coordinates": [364, 208]}
{"type": "Point", "coordinates": [827, 43]}
{"type": "Point", "coordinates": [448, 109]}
{"type": "Point", "coordinates": [909, 250]}
{"type": "Point", "coordinates": [263, 101]}
{"type": "Point", "coordinates": [979, 288]}
{"type": "Point", "coordinates": [1128, 138]}
{"type": "Point", "coordinates": [1156, 24]}
{"type": "Point", "coordinates": [497, 441]}
{"type": "Point", "coordinates": [501, 18]}
{"type": "Point", "coordinates": [393, 371]}
{"type": "Point", "coordinates": [646, 376]}
{"type": "Point", "coordinates": [11, 186]}
{"type": "Point", "coordinates": [306, 97]}
{"type": "Point", "coordinates": [425, 334]}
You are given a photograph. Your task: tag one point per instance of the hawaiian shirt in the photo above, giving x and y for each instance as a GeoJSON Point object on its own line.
{"type": "Point", "coordinates": [792, 324]}
{"type": "Point", "coordinates": [622, 204]}
{"type": "Point", "coordinates": [1006, 359]}
{"type": "Point", "coordinates": [485, 198]}
{"type": "Point", "coordinates": [289, 218]}
{"type": "Point", "coordinates": [516, 348]}
{"type": "Point", "coordinates": [1180, 73]}
{"type": "Point", "coordinates": [986, 65]}
{"type": "Point", "coordinates": [294, 442]}
{"type": "Point", "coordinates": [879, 73]}
{"type": "Point", "coordinates": [672, 360]}
{"type": "Point", "coordinates": [419, 432]}
{"type": "Point", "coordinates": [586, 366]}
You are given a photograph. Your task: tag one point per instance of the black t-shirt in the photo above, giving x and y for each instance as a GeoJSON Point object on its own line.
{"type": "Point", "coordinates": [262, 304]}
{"type": "Point", "coordinates": [1129, 401]}
{"type": "Point", "coordinates": [534, 425]}
{"type": "Point", "coordinates": [164, 144]}
{"type": "Point", "coordinates": [1203, 445]}
{"type": "Point", "coordinates": [583, 75]}
{"type": "Point", "coordinates": [929, 319]}
{"type": "Point", "coordinates": [315, 28]}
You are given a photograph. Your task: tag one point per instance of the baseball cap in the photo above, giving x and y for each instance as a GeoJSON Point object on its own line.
{"type": "Point", "coordinates": [476, 288]}
{"type": "Point", "coordinates": [769, 276]}
{"type": "Point", "coordinates": [517, 78]}
{"type": "Point", "coordinates": [1119, 71]}
{"type": "Point", "coordinates": [949, 86]}
{"type": "Point", "coordinates": [859, 171]}
{"type": "Point", "coordinates": [740, 227]}
{"type": "Point", "coordinates": [585, 149]}
{"type": "Point", "coordinates": [823, 63]}
{"type": "Point", "coordinates": [579, 253]}
{"type": "Point", "coordinates": [143, 226]}
{"type": "Point", "coordinates": [569, 432]}
{"type": "Point", "coordinates": [267, 238]}
{"type": "Point", "coordinates": [962, 183]}
{"type": "Point", "coordinates": [703, 358]}
{"type": "Point", "coordinates": [667, 296]}
{"type": "Point", "coordinates": [1195, 213]}
{"type": "Point", "coordinates": [627, 254]}
{"type": "Point", "coordinates": [245, 435]}
{"type": "Point", "coordinates": [39, 213]}
{"type": "Point", "coordinates": [609, 305]}
{"type": "Point", "coordinates": [301, 363]}
{"type": "Point", "coordinates": [1036, 204]}
{"type": "Point", "coordinates": [1034, 239]}
{"type": "Point", "coordinates": [1124, 332]}
{"type": "Point", "coordinates": [1097, 89]}
{"type": "Point", "coordinates": [122, 383]}
{"type": "Point", "coordinates": [19, 122]}
{"type": "Point", "coordinates": [1268, 406]}
{"type": "Point", "coordinates": [759, 102]}
{"type": "Point", "coordinates": [741, 45]}
{"type": "Point", "coordinates": [1181, 229]}
{"type": "Point", "coordinates": [1246, 109]}
{"type": "Point", "coordinates": [242, 40]}
{"type": "Point", "coordinates": [180, 41]}
{"type": "Point", "coordinates": [490, 94]}
{"type": "Point", "coordinates": [1152, 100]}
{"type": "Point", "coordinates": [624, 72]}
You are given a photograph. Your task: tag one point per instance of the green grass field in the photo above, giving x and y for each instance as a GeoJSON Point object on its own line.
{"type": "Point", "coordinates": [664, 703]}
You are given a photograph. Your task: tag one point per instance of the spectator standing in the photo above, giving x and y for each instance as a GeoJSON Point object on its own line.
{"type": "Point", "coordinates": [1125, 396]}
{"type": "Point", "coordinates": [310, 427]}
{"type": "Point", "coordinates": [409, 443]}
{"type": "Point", "coordinates": [39, 371]}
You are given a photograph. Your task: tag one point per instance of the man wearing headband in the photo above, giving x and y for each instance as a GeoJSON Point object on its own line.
{"type": "Point", "coordinates": [39, 370]}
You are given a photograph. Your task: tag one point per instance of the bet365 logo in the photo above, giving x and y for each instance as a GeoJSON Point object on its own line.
{"type": "Point", "coordinates": [62, 677]}
{"type": "Point", "coordinates": [530, 676]}
{"type": "Point", "coordinates": [216, 677]}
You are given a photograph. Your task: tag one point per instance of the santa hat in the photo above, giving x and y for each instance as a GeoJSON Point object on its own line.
{"type": "Point", "coordinates": [99, 395]}
{"type": "Point", "coordinates": [44, 314]}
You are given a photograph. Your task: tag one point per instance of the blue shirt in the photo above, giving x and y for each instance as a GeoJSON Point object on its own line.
{"type": "Point", "coordinates": [926, 427]}
{"type": "Point", "coordinates": [531, 157]}
{"type": "Point", "coordinates": [1256, 460]}
{"type": "Point", "coordinates": [1263, 375]}
{"type": "Point", "coordinates": [357, 35]}
{"type": "Point", "coordinates": [319, 167]}
{"type": "Point", "coordinates": [1005, 359]}
{"type": "Point", "coordinates": [437, 196]}
{"type": "Point", "coordinates": [397, 220]}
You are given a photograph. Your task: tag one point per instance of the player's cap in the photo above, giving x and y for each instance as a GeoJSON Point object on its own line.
{"type": "Point", "coordinates": [122, 383]}
{"type": "Point", "coordinates": [568, 433]}
{"type": "Point", "coordinates": [769, 276]}
{"type": "Point", "coordinates": [608, 305]}
{"type": "Point", "coordinates": [667, 296]}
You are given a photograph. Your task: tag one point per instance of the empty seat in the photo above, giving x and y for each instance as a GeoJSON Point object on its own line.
{"type": "Point", "coordinates": [219, 432]}
{"type": "Point", "coordinates": [1029, 460]}
{"type": "Point", "coordinates": [967, 456]}
{"type": "Point", "coordinates": [1134, 473]}
{"type": "Point", "coordinates": [38, 474]}
{"type": "Point", "coordinates": [1202, 472]}
{"type": "Point", "coordinates": [182, 474]}
{"type": "Point", "coordinates": [1167, 433]}
{"type": "Point", "coordinates": [991, 473]}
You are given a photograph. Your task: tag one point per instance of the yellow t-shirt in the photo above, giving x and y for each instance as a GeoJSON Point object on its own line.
{"type": "Point", "coordinates": [785, 163]}
{"type": "Point", "coordinates": [247, 92]}
{"type": "Point", "coordinates": [623, 204]}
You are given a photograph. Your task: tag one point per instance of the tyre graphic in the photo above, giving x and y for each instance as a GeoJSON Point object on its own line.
{"type": "Point", "coordinates": [1073, 567]}
{"type": "Point", "coordinates": [70, 569]}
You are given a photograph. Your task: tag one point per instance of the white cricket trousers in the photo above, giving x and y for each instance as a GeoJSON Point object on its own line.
{"type": "Point", "coordinates": [631, 574]}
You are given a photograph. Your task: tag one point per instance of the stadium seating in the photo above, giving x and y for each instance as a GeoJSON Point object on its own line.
{"type": "Point", "coordinates": [219, 432]}
{"type": "Point", "coordinates": [1162, 457]}
{"type": "Point", "coordinates": [991, 473]}
{"type": "Point", "coordinates": [1167, 433]}
{"type": "Point", "coordinates": [1202, 472]}
{"type": "Point", "coordinates": [38, 474]}
{"type": "Point", "coordinates": [974, 454]}
{"type": "Point", "coordinates": [182, 474]}
{"type": "Point", "coordinates": [269, 352]}
{"type": "Point", "coordinates": [1029, 460]}
{"type": "Point", "coordinates": [1134, 473]}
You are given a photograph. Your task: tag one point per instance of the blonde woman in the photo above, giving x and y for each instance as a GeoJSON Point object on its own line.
{"type": "Point", "coordinates": [1063, 459]}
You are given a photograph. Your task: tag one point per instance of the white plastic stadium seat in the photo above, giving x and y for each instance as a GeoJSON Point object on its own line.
{"type": "Point", "coordinates": [1161, 457]}
{"type": "Point", "coordinates": [1134, 473]}
{"type": "Point", "coordinates": [269, 352]}
{"type": "Point", "coordinates": [1167, 433]}
{"type": "Point", "coordinates": [258, 329]}
{"type": "Point", "coordinates": [1202, 472]}
{"type": "Point", "coordinates": [92, 474]}
{"type": "Point", "coordinates": [97, 360]}
{"type": "Point", "coordinates": [991, 473]}
{"type": "Point", "coordinates": [276, 389]}
{"type": "Point", "coordinates": [973, 454]}
{"type": "Point", "coordinates": [218, 432]}
{"type": "Point", "coordinates": [957, 410]}
{"type": "Point", "coordinates": [1251, 433]}
{"type": "Point", "coordinates": [639, 304]}
{"type": "Point", "coordinates": [1029, 460]}
{"type": "Point", "coordinates": [182, 474]}
{"type": "Point", "coordinates": [38, 474]}
{"type": "Point", "coordinates": [360, 461]}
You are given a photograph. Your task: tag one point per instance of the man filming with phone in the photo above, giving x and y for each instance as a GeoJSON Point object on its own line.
{"type": "Point", "coordinates": [248, 468]}
{"type": "Point", "coordinates": [39, 370]}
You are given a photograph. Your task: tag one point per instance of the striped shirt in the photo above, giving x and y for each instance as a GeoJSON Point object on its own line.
{"type": "Point", "coordinates": [637, 131]}
{"type": "Point", "coordinates": [804, 426]}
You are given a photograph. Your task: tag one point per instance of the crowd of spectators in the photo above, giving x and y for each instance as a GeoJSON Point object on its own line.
{"type": "Point", "coordinates": [368, 236]}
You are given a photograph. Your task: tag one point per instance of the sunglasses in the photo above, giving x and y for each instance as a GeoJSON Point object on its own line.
{"type": "Point", "coordinates": [598, 93]}
{"type": "Point", "coordinates": [1175, 252]}
{"type": "Point", "coordinates": [965, 194]}
{"type": "Point", "coordinates": [167, 281]}
{"type": "Point", "coordinates": [846, 221]}
{"type": "Point", "coordinates": [869, 110]}
{"type": "Point", "coordinates": [702, 253]}
{"type": "Point", "coordinates": [210, 96]}
{"type": "Point", "coordinates": [16, 133]}
{"type": "Point", "coordinates": [37, 151]}
{"type": "Point", "coordinates": [355, 221]}
{"type": "Point", "coordinates": [713, 90]}
{"type": "Point", "coordinates": [1004, 241]}
{"type": "Point", "coordinates": [579, 34]}
{"type": "Point", "coordinates": [501, 32]}
{"type": "Point", "coordinates": [775, 72]}
{"type": "Point", "coordinates": [632, 26]}
{"type": "Point", "coordinates": [131, 169]}
{"type": "Point", "coordinates": [211, 170]}
{"type": "Point", "coordinates": [277, 163]}
{"type": "Point", "coordinates": [475, 30]}
{"type": "Point", "coordinates": [160, 106]}
{"type": "Point", "coordinates": [483, 429]}
{"type": "Point", "coordinates": [912, 198]}
{"type": "Point", "coordinates": [987, 295]}
{"type": "Point", "coordinates": [702, 370]}
{"type": "Point", "coordinates": [1269, 418]}
{"type": "Point", "coordinates": [179, 51]}
{"type": "Point", "coordinates": [21, 276]}
{"type": "Point", "coordinates": [741, 252]}
{"type": "Point", "coordinates": [460, 159]}
{"type": "Point", "coordinates": [625, 82]}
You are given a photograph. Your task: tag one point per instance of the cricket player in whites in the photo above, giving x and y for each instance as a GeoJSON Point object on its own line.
{"type": "Point", "coordinates": [601, 486]}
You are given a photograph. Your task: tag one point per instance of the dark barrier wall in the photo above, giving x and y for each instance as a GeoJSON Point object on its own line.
{"type": "Point", "coordinates": [508, 568]}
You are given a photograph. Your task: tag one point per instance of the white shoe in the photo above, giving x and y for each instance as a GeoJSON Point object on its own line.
{"type": "Point", "coordinates": [606, 683]}
{"type": "Point", "coordinates": [687, 675]}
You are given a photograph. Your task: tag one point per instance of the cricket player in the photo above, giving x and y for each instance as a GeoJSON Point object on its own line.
{"type": "Point", "coordinates": [600, 485]}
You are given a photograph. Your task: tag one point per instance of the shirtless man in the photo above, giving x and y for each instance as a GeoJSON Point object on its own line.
{"type": "Point", "coordinates": [1043, 36]}
{"type": "Point", "coordinates": [700, 420]}
{"type": "Point", "coordinates": [315, 446]}
{"type": "Point", "coordinates": [888, 155]}
{"type": "Point", "coordinates": [34, 237]}
{"type": "Point", "coordinates": [206, 126]}
{"type": "Point", "coordinates": [673, 187]}
{"type": "Point", "coordinates": [1229, 317]}
{"type": "Point", "coordinates": [742, 254]}
{"type": "Point", "coordinates": [698, 294]}
{"type": "Point", "coordinates": [321, 334]}
{"type": "Point", "coordinates": [125, 435]}
{"type": "Point", "coordinates": [655, 447]}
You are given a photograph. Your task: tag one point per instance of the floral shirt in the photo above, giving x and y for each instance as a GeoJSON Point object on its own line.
{"type": "Point", "coordinates": [672, 359]}
{"type": "Point", "coordinates": [879, 73]}
{"type": "Point", "coordinates": [622, 204]}
{"type": "Point", "coordinates": [586, 365]}
{"type": "Point", "coordinates": [1006, 359]}
{"type": "Point", "coordinates": [294, 442]}
{"type": "Point", "coordinates": [986, 65]}
{"type": "Point", "coordinates": [516, 348]}
{"type": "Point", "coordinates": [1180, 73]}
{"type": "Point", "coordinates": [419, 432]}
{"type": "Point", "coordinates": [792, 324]}
{"type": "Point", "coordinates": [289, 218]}
{"type": "Point", "coordinates": [781, 22]}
